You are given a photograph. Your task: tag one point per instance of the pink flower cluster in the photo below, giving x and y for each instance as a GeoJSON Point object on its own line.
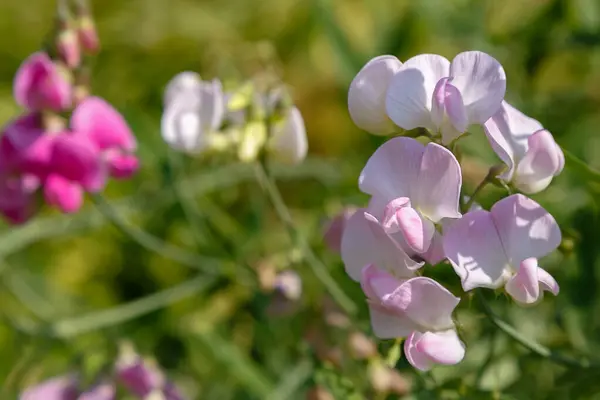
{"type": "Point", "coordinates": [414, 217]}
{"type": "Point", "coordinates": [42, 159]}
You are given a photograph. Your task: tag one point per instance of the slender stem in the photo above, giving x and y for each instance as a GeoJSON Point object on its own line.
{"type": "Point", "coordinates": [531, 344]}
{"type": "Point", "coordinates": [153, 243]}
{"type": "Point", "coordinates": [317, 266]}
{"type": "Point", "coordinates": [478, 189]}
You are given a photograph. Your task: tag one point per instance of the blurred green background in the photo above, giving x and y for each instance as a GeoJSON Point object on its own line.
{"type": "Point", "coordinates": [219, 339]}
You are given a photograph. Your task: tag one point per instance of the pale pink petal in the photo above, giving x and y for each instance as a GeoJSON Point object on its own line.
{"type": "Point", "coordinates": [547, 282]}
{"type": "Point", "coordinates": [62, 388]}
{"type": "Point", "coordinates": [39, 85]}
{"type": "Point", "coordinates": [438, 187]}
{"type": "Point", "coordinates": [390, 212]}
{"type": "Point", "coordinates": [426, 302]}
{"type": "Point", "coordinates": [67, 196]}
{"type": "Point", "coordinates": [387, 325]}
{"type": "Point", "coordinates": [525, 228]}
{"type": "Point", "coordinates": [289, 143]}
{"type": "Point", "coordinates": [181, 127]}
{"type": "Point", "coordinates": [523, 286]}
{"type": "Point", "coordinates": [367, 93]}
{"type": "Point", "coordinates": [409, 96]}
{"type": "Point", "coordinates": [212, 110]}
{"type": "Point", "coordinates": [508, 132]}
{"type": "Point", "coordinates": [417, 231]}
{"type": "Point", "coordinates": [444, 348]}
{"type": "Point", "coordinates": [102, 391]}
{"type": "Point", "coordinates": [543, 160]}
{"type": "Point", "coordinates": [186, 84]}
{"type": "Point", "coordinates": [448, 111]}
{"type": "Point", "coordinates": [415, 357]}
{"type": "Point", "coordinates": [393, 169]}
{"type": "Point", "coordinates": [561, 160]}
{"type": "Point", "coordinates": [435, 253]}
{"type": "Point", "coordinates": [105, 126]}
{"type": "Point", "coordinates": [334, 229]}
{"type": "Point", "coordinates": [475, 251]}
{"type": "Point", "coordinates": [358, 244]}
{"type": "Point", "coordinates": [481, 81]}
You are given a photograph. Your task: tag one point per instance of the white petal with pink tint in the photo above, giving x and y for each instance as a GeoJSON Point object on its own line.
{"type": "Point", "coordinates": [367, 94]}
{"type": "Point", "coordinates": [386, 325]}
{"type": "Point", "coordinates": [409, 97]}
{"type": "Point", "coordinates": [524, 286]}
{"type": "Point", "coordinates": [442, 347]}
{"type": "Point", "coordinates": [448, 111]}
{"type": "Point", "coordinates": [481, 81]}
{"type": "Point", "coordinates": [542, 161]}
{"type": "Point", "coordinates": [437, 190]}
{"type": "Point", "coordinates": [416, 358]}
{"type": "Point", "coordinates": [393, 169]}
{"type": "Point", "coordinates": [417, 232]}
{"type": "Point", "coordinates": [547, 282]}
{"type": "Point", "coordinates": [358, 244]}
{"type": "Point", "coordinates": [475, 251]}
{"type": "Point", "coordinates": [525, 228]}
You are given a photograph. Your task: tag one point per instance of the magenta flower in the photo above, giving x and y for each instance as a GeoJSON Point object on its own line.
{"type": "Point", "coordinates": [18, 199]}
{"type": "Point", "coordinates": [413, 187]}
{"type": "Point", "coordinates": [430, 92]}
{"type": "Point", "coordinates": [102, 391]}
{"type": "Point", "coordinates": [108, 130]}
{"type": "Point", "coordinates": [530, 152]}
{"type": "Point", "coordinates": [367, 94]}
{"type": "Point", "coordinates": [63, 194]}
{"type": "Point", "coordinates": [419, 308]}
{"type": "Point", "coordinates": [39, 85]}
{"type": "Point", "coordinates": [501, 247]}
{"type": "Point", "coordinates": [62, 388]}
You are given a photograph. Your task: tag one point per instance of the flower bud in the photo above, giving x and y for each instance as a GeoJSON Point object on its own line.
{"type": "Point", "coordinates": [288, 143]}
{"type": "Point", "coordinates": [39, 85]}
{"type": "Point", "coordinates": [361, 346]}
{"type": "Point", "coordinates": [67, 44]}
{"type": "Point", "coordinates": [88, 36]}
{"type": "Point", "coordinates": [366, 97]}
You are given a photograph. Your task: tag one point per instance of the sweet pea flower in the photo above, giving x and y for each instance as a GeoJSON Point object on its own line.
{"type": "Point", "coordinates": [18, 200]}
{"type": "Point", "coordinates": [430, 92]}
{"type": "Point", "coordinates": [532, 156]}
{"type": "Point", "coordinates": [102, 391]}
{"type": "Point", "coordinates": [106, 128]}
{"type": "Point", "coordinates": [288, 142]}
{"type": "Point", "coordinates": [39, 85]}
{"type": "Point", "coordinates": [63, 194]}
{"type": "Point", "coordinates": [414, 187]}
{"type": "Point", "coordinates": [367, 94]}
{"type": "Point", "coordinates": [417, 308]}
{"type": "Point", "coordinates": [62, 388]}
{"type": "Point", "coordinates": [193, 110]}
{"type": "Point", "coordinates": [500, 247]}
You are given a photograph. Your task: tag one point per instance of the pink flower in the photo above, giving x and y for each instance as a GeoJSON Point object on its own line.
{"type": "Point", "coordinates": [334, 229]}
{"type": "Point", "coordinates": [62, 193]}
{"type": "Point", "coordinates": [88, 36]}
{"type": "Point", "coordinates": [367, 93]}
{"type": "Point", "coordinates": [62, 388]}
{"type": "Point", "coordinates": [419, 308]}
{"type": "Point", "coordinates": [18, 200]}
{"type": "Point", "coordinates": [108, 130]}
{"type": "Point", "coordinates": [413, 187]}
{"type": "Point", "coordinates": [430, 92]}
{"type": "Point", "coordinates": [39, 85]}
{"type": "Point", "coordinates": [530, 152]}
{"type": "Point", "coordinates": [102, 391]}
{"type": "Point", "coordinates": [501, 247]}
{"type": "Point", "coordinates": [68, 48]}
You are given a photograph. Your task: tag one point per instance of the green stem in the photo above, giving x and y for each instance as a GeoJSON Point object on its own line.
{"type": "Point", "coordinates": [478, 189]}
{"type": "Point", "coordinates": [317, 266]}
{"type": "Point", "coordinates": [530, 344]}
{"type": "Point", "coordinates": [152, 243]}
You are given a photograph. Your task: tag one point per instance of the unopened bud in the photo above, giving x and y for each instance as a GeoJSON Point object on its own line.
{"type": "Point", "coordinates": [88, 36]}
{"type": "Point", "coordinates": [361, 346]}
{"type": "Point", "coordinates": [67, 45]}
{"type": "Point", "coordinates": [388, 380]}
{"type": "Point", "coordinates": [566, 246]}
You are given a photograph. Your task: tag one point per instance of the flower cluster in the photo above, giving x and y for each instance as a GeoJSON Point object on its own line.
{"type": "Point", "coordinates": [43, 156]}
{"type": "Point", "coordinates": [414, 214]}
{"type": "Point", "coordinates": [200, 118]}
{"type": "Point", "coordinates": [139, 377]}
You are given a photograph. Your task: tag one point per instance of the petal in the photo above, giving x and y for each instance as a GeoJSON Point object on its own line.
{"type": "Point", "coordinates": [105, 126]}
{"type": "Point", "coordinates": [547, 282]}
{"type": "Point", "coordinates": [386, 325]}
{"type": "Point", "coordinates": [62, 388]}
{"type": "Point", "coordinates": [426, 302]}
{"type": "Point", "coordinates": [358, 244]}
{"type": "Point", "coordinates": [289, 143]}
{"type": "Point", "coordinates": [508, 131]}
{"type": "Point", "coordinates": [525, 228]}
{"type": "Point", "coordinates": [482, 82]}
{"type": "Point", "coordinates": [475, 251]}
{"type": "Point", "coordinates": [212, 110]}
{"type": "Point", "coordinates": [417, 231]}
{"type": "Point", "coordinates": [76, 158]}
{"type": "Point", "coordinates": [442, 347]}
{"type": "Point", "coordinates": [435, 253]}
{"type": "Point", "coordinates": [523, 286]}
{"type": "Point", "coordinates": [393, 169]}
{"type": "Point", "coordinates": [438, 187]}
{"type": "Point", "coordinates": [415, 357]}
{"type": "Point", "coordinates": [367, 93]}
{"type": "Point", "coordinates": [390, 212]}
{"type": "Point", "coordinates": [63, 194]}
{"type": "Point", "coordinates": [103, 391]}
{"type": "Point", "coordinates": [409, 96]}
{"type": "Point", "coordinates": [181, 128]}
{"type": "Point", "coordinates": [543, 160]}
{"type": "Point", "coordinates": [122, 166]}
{"type": "Point", "coordinates": [183, 85]}
{"type": "Point", "coordinates": [448, 111]}
{"type": "Point", "coordinates": [334, 229]}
